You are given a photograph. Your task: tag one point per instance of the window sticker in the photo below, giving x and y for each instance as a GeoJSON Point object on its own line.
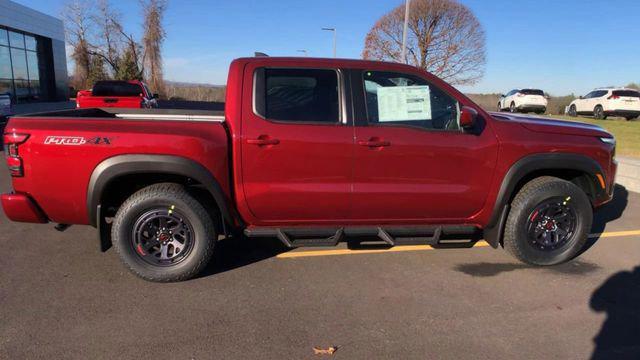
{"type": "Point", "coordinates": [402, 103]}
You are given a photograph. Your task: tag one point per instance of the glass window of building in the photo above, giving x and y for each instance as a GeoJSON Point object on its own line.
{"type": "Point", "coordinates": [16, 40]}
{"type": "Point", "coordinates": [19, 62]}
{"type": "Point", "coordinates": [5, 63]}
{"type": "Point", "coordinates": [6, 86]}
{"type": "Point", "coordinates": [4, 37]}
{"type": "Point", "coordinates": [32, 65]}
{"type": "Point", "coordinates": [30, 43]}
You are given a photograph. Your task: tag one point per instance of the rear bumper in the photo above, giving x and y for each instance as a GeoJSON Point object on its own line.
{"type": "Point", "coordinates": [532, 107]}
{"type": "Point", "coordinates": [21, 208]}
{"type": "Point", "coordinates": [624, 113]}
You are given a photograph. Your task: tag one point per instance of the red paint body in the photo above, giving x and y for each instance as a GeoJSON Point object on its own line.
{"type": "Point", "coordinates": [313, 174]}
{"type": "Point", "coordinates": [85, 99]}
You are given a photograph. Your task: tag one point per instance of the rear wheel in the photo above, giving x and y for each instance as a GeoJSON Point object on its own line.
{"type": "Point", "coordinates": [598, 113]}
{"type": "Point", "coordinates": [548, 223]}
{"type": "Point", "coordinates": [572, 111]}
{"type": "Point", "coordinates": [631, 117]}
{"type": "Point", "coordinates": [162, 233]}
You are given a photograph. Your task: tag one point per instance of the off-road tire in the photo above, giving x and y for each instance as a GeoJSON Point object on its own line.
{"type": "Point", "coordinates": [166, 195]}
{"type": "Point", "coordinates": [535, 192]}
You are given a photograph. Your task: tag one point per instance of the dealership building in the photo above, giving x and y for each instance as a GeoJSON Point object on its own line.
{"type": "Point", "coordinates": [33, 61]}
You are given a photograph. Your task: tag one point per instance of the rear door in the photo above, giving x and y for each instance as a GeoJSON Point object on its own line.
{"type": "Point", "coordinates": [297, 148]}
{"type": "Point", "coordinates": [413, 163]}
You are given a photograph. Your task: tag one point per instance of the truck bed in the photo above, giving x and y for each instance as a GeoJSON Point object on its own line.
{"type": "Point", "coordinates": [64, 148]}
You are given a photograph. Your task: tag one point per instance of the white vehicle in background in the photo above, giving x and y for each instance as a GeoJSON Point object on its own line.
{"type": "Point", "coordinates": [605, 102]}
{"type": "Point", "coordinates": [523, 100]}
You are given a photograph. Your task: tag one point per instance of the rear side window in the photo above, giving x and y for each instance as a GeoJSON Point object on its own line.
{"type": "Point", "coordinates": [532, 92]}
{"type": "Point", "coordinates": [116, 88]}
{"type": "Point", "coordinates": [626, 93]}
{"type": "Point", "coordinates": [402, 99]}
{"type": "Point", "coordinates": [297, 95]}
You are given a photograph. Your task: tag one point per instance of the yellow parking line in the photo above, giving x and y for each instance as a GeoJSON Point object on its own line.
{"type": "Point", "coordinates": [615, 234]}
{"type": "Point", "coordinates": [482, 243]}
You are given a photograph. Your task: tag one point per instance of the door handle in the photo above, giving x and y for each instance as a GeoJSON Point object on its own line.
{"type": "Point", "coordinates": [263, 141]}
{"type": "Point", "coordinates": [374, 142]}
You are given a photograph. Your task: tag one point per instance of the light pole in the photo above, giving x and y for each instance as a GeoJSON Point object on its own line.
{"type": "Point", "coordinates": [334, 39]}
{"type": "Point", "coordinates": [303, 51]}
{"type": "Point", "coordinates": [407, 5]}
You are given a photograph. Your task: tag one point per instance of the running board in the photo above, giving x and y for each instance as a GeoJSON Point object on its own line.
{"type": "Point", "coordinates": [331, 236]}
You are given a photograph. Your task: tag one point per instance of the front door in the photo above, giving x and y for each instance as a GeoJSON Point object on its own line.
{"type": "Point", "coordinates": [297, 150]}
{"type": "Point", "coordinates": [412, 161]}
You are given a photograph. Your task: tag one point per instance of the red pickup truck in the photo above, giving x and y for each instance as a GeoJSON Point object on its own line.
{"type": "Point", "coordinates": [312, 152]}
{"type": "Point", "coordinates": [117, 94]}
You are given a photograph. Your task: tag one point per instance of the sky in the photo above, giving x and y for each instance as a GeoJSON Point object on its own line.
{"type": "Point", "coordinates": [560, 46]}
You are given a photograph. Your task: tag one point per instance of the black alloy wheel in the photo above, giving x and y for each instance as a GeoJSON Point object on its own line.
{"type": "Point", "coordinates": [552, 224]}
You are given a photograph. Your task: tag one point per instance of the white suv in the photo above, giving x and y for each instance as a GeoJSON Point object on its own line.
{"type": "Point", "coordinates": [605, 102]}
{"type": "Point", "coordinates": [523, 100]}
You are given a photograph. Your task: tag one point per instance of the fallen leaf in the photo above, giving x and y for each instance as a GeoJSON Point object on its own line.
{"type": "Point", "coordinates": [327, 351]}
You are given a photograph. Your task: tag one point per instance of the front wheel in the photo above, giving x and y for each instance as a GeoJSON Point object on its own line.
{"type": "Point", "coordinates": [163, 234]}
{"type": "Point", "coordinates": [548, 223]}
{"type": "Point", "coordinates": [572, 111]}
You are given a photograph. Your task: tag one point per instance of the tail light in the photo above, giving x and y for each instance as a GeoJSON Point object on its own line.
{"type": "Point", "coordinates": [14, 161]}
{"type": "Point", "coordinates": [613, 97]}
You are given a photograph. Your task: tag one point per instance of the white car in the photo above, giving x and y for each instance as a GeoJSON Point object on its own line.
{"type": "Point", "coordinates": [605, 102]}
{"type": "Point", "coordinates": [523, 100]}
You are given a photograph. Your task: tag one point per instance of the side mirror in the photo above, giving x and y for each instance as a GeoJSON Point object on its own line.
{"type": "Point", "coordinates": [581, 97]}
{"type": "Point", "coordinates": [468, 117]}
{"type": "Point", "coordinates": [501, 95]}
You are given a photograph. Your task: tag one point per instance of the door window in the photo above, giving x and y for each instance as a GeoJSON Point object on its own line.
{"type": "Point", "coordinates": [297, 95]}
{"type": "Point", "coordinates": [402, 99]}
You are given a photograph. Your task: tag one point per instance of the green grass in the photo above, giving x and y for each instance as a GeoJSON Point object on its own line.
{"type": "Point", "coordinates": [627, 133]}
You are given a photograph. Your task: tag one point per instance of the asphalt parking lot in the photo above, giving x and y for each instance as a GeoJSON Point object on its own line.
{"type": "Point", "coordinates": [61, 298]}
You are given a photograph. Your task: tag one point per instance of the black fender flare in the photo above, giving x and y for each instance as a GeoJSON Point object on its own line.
{"type": "Point", "coordinates": [120, 165]}
{"type": "Point", "coordinates": [527, 165]}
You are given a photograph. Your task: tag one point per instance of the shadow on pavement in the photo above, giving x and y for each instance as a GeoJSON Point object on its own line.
{"type": "Point", "coordinates": [483, 269]}
{"type": "Point", "coordinates": [619, 298]}
{"type": "Point", "coordinates": [611, 211]}
{"type": "Point", "coordinates": [233, 253]}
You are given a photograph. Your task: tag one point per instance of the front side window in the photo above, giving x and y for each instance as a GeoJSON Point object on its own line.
{"type": "Point", "coordinates": [297, 95]}
{"type": "Point", "coordinates": [589, 95]}
{"type": "Point", "coordinates": [402, 99]}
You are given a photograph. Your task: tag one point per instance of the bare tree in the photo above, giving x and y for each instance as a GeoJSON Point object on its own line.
{"type": "Point", "coordinates": [77, 24]}
{"type": "Point", "coordinates": [154, 35]}
{"type": "Point", "coordinates": [444, 38]}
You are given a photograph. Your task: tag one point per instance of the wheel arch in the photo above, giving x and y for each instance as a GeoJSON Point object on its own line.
{"type": "Point", "coordinates": [122, 166]}
{"type": "Point", "coordinates": [579, 169]}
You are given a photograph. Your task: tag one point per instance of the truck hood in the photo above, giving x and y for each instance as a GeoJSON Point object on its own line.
{"type": "Point", "coordinates": [554, 126]}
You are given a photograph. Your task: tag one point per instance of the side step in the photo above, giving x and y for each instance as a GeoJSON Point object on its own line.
{"type": "Point", "coordinates": [331, 236]}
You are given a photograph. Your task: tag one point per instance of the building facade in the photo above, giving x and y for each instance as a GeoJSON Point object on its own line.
{"type": "Point", "coordinates": [33, 61]}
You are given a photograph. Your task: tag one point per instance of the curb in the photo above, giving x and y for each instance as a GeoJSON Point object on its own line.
{"type": "Point", "coordinates": [629, 173]}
